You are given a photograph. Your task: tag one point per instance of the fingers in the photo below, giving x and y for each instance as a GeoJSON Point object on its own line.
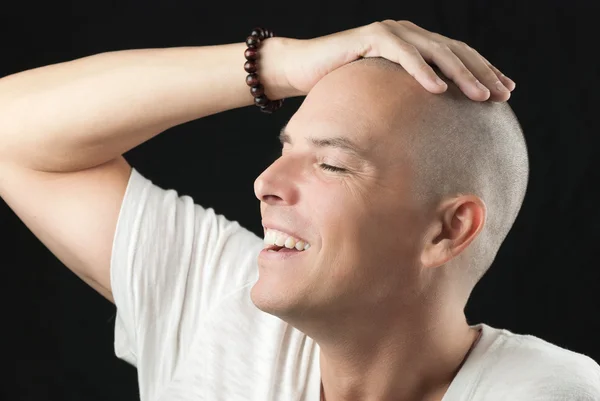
{"type": "Point", "coordinates": [470, 71]}
{"type": "Point", "coordinates": [454, 68]}
{"type": "Point", "coordinates": [388, 45]}
{"type": "Point", "coordinates": [472, 60]}
{"type": "Point", "coordinates": [467, 77]}
{"type": "Point", "coordinates": [509, 83]}
{"type": "Point", "coordinates": [411, 60]}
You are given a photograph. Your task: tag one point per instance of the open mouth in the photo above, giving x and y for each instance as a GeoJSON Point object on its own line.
{"type": "Point", "coordinates": [277, 241]}
{"type": "Point", "coordinates": [282, 249]}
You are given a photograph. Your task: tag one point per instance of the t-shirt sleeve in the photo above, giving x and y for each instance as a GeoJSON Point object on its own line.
{"type": "Point", "coordinates": [172, 262]}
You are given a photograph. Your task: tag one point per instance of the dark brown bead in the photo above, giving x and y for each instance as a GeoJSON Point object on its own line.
{"type": "Point", "coordinates": [251, 54]}
{"type": "Point", "coordinates": [252, 42]}
{"type": "Point", "coordinates": [257, 90]}
{"type": "Point", "coordinates": [250, 66]}
{"type": "Point", "coordinates": [252, 80]}
{"type": "Point", "coordinates": [261, 100]}
{"type": "Point", "coordinates": [258, 32]}
{"type": "Point", "coordinates": [267, 109]}
{"type": "Point", "coordinates": [276, 104]}
{"type": "Point", "coordinates": [272, 106]}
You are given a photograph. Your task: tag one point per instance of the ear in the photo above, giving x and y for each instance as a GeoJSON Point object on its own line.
{"type": "Point", "coordinates": [457, 223]}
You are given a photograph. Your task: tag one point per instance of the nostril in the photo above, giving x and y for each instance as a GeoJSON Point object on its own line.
{"type": "Point", "coordinates": [276, 187]}
{"type": "Point", "coordinates": [264, 190]}
{"type": "Point", "coordinates": [271, 199]}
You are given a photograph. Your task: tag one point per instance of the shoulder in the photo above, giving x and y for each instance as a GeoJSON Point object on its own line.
{"type": "Point", "coordinates": [539, 367]}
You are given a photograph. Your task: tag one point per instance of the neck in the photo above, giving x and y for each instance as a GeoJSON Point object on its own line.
{"type": "Point", "coordinates": [374, 358]}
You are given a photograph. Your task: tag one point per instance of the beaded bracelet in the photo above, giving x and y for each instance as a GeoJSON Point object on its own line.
{"type": "Point", "coordinates": [252, 80]}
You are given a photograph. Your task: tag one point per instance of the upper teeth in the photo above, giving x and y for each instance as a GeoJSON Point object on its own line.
{"type": "Point", "coordinates": [274, 237]}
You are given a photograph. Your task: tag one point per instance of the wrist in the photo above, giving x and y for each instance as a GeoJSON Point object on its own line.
{"type": "Point", "coordinates": [274, 56]}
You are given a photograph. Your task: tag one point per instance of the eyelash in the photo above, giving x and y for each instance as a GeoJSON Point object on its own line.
{"type": "Point", "coordinates": [331, 168]}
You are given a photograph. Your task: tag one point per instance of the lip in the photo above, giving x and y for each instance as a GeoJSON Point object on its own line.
{"type": "Point", "coordinates": [279, 256]}
{"type": "Point", "coordinates": [273, 226]}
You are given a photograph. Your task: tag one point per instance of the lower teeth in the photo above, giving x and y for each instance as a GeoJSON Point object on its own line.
{"type": "Point", "coordinates": [283, 249]}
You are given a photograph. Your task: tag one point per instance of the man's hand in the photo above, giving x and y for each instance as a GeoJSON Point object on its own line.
{"type": "Point", "coordinates": [404, 43]}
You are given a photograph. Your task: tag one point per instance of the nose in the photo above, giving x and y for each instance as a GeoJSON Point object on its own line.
{"type": "Point", "coordinates": [277, 185]}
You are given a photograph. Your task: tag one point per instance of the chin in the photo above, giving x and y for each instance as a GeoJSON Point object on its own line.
{"type": "Point", "coordinates": [275, 299]}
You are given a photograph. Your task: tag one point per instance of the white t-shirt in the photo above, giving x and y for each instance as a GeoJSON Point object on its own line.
{"type": "Point", "coordinates": [181, 278]}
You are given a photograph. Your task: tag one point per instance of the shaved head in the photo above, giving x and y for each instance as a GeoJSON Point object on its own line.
{"type": "Point", "coordinates": [403, 196]}
{"type": "Point", "coordinates": [459, 146]}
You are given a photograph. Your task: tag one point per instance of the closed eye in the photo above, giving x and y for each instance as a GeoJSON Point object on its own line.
{"type": "Point", "coordinates": [331, 168]}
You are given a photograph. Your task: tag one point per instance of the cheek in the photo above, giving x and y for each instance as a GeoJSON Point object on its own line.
{"type": "Point", "coordinates": [338, 218]}
{"type": "Point", "coordinates": [344, 225]}
{"type": "Point", "coordinates": [359, 227]}
{"type": "Point", "coordinates": [397, 236]}
{"type": "Point", "coordinates": [389, 233]}
{"type": "Point", "coordinates": [334, 210]}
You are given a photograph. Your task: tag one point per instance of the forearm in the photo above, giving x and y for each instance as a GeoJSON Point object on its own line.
{"type": "Point", "coordinates": [85, 112]}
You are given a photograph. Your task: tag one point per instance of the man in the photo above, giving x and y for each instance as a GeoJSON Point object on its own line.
{"type": "Point", "coordinates": [387, 205]}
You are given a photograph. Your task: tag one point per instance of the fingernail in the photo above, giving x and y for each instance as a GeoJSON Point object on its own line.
{"type": "Point", "coordinates": [481, 86]}
{"type": "Point", "coordinates": [501, 87]}
{"type": "Point", "coordinates": [509, 81]}
{"type": "Point", "coordinates": [440, 82]}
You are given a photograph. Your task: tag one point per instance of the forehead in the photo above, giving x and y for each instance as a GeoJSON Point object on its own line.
{"type": "Point", "coordinates": [372, 107]}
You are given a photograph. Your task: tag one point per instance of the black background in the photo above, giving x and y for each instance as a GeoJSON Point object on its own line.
{"type": "Point", "coordinates": [56, 333]}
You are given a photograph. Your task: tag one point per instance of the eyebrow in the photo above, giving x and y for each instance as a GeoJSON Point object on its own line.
{"type": "Point", "coordinates": [339, 142]}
